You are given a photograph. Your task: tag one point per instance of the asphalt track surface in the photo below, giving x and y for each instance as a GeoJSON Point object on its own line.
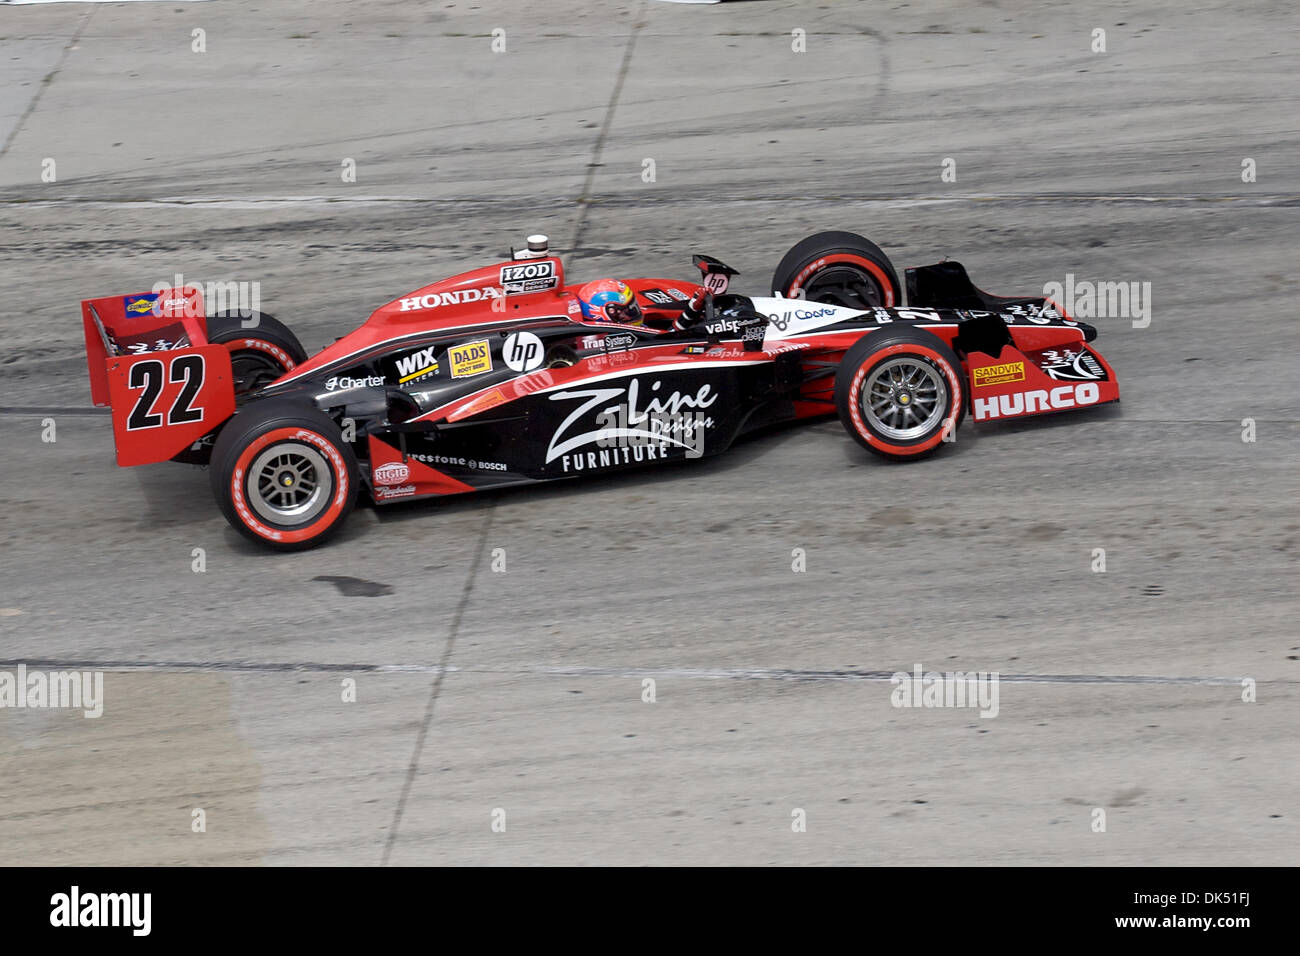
{"type": "Point", "coordinates": [521, 691]}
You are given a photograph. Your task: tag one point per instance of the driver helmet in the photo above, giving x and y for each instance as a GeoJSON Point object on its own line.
{"type": "Point", "coordinates": [609, 300]}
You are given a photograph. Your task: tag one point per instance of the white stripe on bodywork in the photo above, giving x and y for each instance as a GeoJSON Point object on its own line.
{"type": "Point", "coordinates": [412, 335]}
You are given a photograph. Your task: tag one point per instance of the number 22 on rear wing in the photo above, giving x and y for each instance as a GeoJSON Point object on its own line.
{"type": "Point", "coordinates": [150, 361]}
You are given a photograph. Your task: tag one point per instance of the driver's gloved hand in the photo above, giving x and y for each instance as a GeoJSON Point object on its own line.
{"type": "Point", "coordinates": [693, 311]}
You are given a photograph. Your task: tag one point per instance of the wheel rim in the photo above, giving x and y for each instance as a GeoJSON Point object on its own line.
{"type": "Point", "coordinates": [251, 371]}
{"type": "Point", "coordinates": [904, 398]}
{"type": "Point", "coordinates": [289, 484]}
{"type": "Point", "coordinates": [845, 285]}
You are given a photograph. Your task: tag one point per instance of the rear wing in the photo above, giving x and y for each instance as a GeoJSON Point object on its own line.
{"type": "Point", "coordinates": [149, 360]}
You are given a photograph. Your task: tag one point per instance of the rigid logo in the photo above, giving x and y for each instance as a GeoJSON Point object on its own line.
{"type": "Point", "coordinates": [393, 473]}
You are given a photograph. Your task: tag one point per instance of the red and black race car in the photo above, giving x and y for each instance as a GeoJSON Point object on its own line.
{"type": "Point", "coordinates": [495, 377]}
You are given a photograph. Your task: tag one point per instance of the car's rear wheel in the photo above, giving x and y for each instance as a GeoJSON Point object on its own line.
{"type": "Point", "coordinates": [261, 349]}
{"type": "Point", "coordinates": [283, 475]}
{"type": "Point", "coordinates": [838, 268]}
{"type": "Point", "coordinates": [900, 392]}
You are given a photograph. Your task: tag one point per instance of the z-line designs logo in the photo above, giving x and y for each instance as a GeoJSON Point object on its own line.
{"type": "Point", "coordinates": [637, 422]}
{"type": "Point", "coordinates": [1071, 365]}
{"type": "Point", "coordinates": [472, 358]}
{"type": "Point", "coordinates": [999, 374]}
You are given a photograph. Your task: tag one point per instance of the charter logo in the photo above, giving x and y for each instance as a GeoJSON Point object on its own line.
{"type": "Point", "coordinates": [103, 909]}
{"type": "Point", "coordinates": [1036, 400]}
{"type": "Point", "coordinates": [77, 690]}
{"type": "Point", "coordinates": [955, 689]}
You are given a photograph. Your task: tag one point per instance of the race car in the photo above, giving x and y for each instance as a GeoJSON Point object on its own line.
{"type": "Point", "coordinates": [506, 375]}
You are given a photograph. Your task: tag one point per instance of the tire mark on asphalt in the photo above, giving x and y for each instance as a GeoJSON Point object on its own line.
{"type": "Point", "coordinates": [46, 81]}
{"type": "Point", "coordinates": [579, 670]}
{"type": "Point", "coordinates": [584, 199]}
{"type": "Point", "coordinates": [440, 672]}
{"type": "Point", "coordinates": [55, 410]}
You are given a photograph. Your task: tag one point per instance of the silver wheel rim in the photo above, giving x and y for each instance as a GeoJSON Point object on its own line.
{"type": "Point", "coordinates": [904, 398]}
{"type": "Point", "coordinates": [289, 484]}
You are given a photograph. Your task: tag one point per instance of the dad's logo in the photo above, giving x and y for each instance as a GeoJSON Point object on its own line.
{"type": "Point", "coordinates": [522, 352]}
{"type": "Point", "coordinates": [472, 358]}
{"type": "Point", "coordinates": [394, 473]}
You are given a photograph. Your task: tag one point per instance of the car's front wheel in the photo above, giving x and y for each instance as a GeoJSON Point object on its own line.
{"type": "Point", "coordinates": [900, 393]}
{"type": "Point", "coordinates": [283, 475]}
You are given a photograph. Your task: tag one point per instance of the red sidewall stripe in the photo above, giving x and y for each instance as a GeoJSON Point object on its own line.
{"type": "Point", "coordinates": [324, 521]}
{"type": "Point", "coordinates": [955, 397]}
{"type": "Point", "coordinates": [886, 284]}
{"type": "Point", "coordinates": [252, 342]}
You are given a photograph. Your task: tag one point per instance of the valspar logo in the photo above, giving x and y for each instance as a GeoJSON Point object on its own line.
{"type": "Point", "coordinates": [459, 297]}
{"type": "Point", "coordinates": [1037, 400]}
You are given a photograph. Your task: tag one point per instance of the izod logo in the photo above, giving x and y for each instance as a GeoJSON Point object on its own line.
{"type": "Point", "coordinates": [999, 374]}
{"type": "Point", "coordinates": [472, 358]}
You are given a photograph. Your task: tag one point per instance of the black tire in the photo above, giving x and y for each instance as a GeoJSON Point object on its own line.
{"type": "Point", "coordinates": [882, 382]}
{"type": "Point", "coordinates": [859, 276]}
{"type": "Point", "coordinates": [260, 352]}
{"type": "Point", "coordinates": [290, 438]}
